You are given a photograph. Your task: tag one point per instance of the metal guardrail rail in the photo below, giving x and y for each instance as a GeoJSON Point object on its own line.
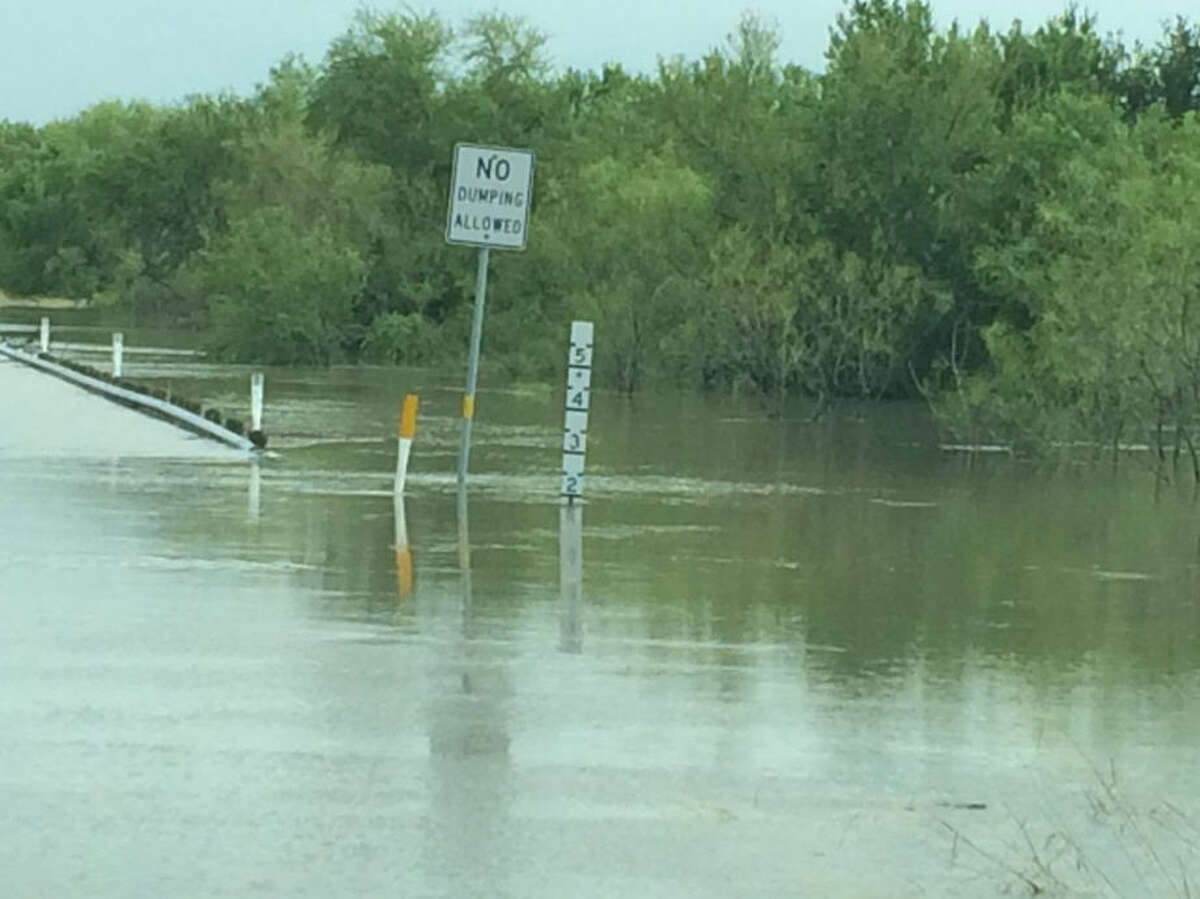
{"type": "Point", "coordinates": [181, 417]}
{"type": "Point", "coordinates": [128, 350]}
{"type": "Point", "coordinates": [103, 347]}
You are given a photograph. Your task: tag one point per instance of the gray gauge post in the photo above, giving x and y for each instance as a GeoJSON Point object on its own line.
{"type": "Point", "coordinates": [490, 192]}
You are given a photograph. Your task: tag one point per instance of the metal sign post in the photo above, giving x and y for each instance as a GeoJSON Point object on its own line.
{"type": "Point", "coordinates": [490, 192]}
{"type": "Point", "coordinates": [468, 400]}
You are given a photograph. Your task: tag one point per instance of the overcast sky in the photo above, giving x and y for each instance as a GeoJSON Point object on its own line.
{"type": "Point", "coordinates": [60, 56]}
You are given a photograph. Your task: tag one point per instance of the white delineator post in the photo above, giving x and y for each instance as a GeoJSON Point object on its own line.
{"type": "Point", "coordinates": [118, 353]}
{"type": "Point", "coordinates": [403, 552]}
{"type": "Point", "coordinates": [406, 431]}
{"type": "Point", "coordinates": [579, 381]}
{"type": "Point", "coordinates": [257, 392]}
{"type": "Point", "coordinates": [44, 334]}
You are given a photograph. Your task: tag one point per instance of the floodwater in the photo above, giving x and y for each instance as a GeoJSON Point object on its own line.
{"type": "Point", "coordinates": [804, 659]}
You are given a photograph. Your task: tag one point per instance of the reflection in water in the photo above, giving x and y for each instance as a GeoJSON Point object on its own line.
{"type": "Point", "coordinates": [464, 558]}
{"type": "Point", "coordinates": [570, 576]}
{"type": "Point", "coordinates": [254, 494]}
{"type": "Point", "coordinates": [469, 816]}
{"type": "Point", "coordinates": [851, 643]}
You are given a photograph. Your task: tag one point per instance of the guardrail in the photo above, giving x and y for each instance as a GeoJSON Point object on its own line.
{"type": "Point", "coordinates": [128, 350]}
{"type": "Point", "coordinates": [177, 415]}
{"type": "Point", "coordinates": [101, 347]}
{"type": "Point", "coordinates": [47, 344]}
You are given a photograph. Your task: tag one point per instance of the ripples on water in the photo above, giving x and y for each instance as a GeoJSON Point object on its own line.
{"type": "Point", "coordinates": [824, 655]}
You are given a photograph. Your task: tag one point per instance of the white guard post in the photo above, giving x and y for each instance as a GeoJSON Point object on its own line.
{"type": "Point", "coordinates": [44, 335]}
{"type": "Point", "coordinates": [579, 382]}
{"type": "Point", "coordinates": [257, 391]}
{"type": "Point", "coordinates": [402, 550]}
{"type": "Point", "coordinates": [118, 350]}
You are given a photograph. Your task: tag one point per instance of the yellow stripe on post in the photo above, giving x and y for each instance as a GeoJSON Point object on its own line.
{"type": "Point", "coordinates": [406, 429]}
{"type": "Point", "coordinates": [468, 406]}
{"type": "Point", "coordinates": [407, 426]}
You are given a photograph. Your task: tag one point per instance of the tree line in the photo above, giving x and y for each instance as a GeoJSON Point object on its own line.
{"type": "Point", "coordinates": [1005, 221]}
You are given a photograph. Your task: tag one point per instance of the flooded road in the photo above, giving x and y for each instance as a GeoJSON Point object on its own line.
{"type": "Point", "coordinates": [808, 660]}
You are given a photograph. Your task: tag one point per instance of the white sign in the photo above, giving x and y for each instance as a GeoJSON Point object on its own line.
{"type": "Point", "coordinates": [490, 192]}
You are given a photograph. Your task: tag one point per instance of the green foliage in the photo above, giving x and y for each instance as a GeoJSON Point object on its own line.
{"type": "Point", "coordinates": [613, 243]}
{"type": "Point", "coordinates": [1176, 67]}
{"type": "Point", "coordinates": [288, 168]}
{"type": "Point", "coordinates": [825, 322]}
{"type": "Point", "coordinates": [398, 338]}
{"type": "Point", "coordinates": [1112, 353]}
{"type": "Point", "coordinates": [1065, 54]}
{"type": "Point", "coordinates": [380, 86]}
{"type": "Point", "coordinates": [120, 179]}
{"type": "Point", "coordinates": [1004, 218]}
{"type": "Point", "coordinates": [294, 195]}
{"type": "Point", "coordinates": [280, 294]}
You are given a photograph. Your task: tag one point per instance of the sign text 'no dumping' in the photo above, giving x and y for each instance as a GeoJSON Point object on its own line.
{"type": "Point", "coordinates": [490, 192]}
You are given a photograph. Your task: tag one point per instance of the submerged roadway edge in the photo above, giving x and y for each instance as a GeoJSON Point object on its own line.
{"type": "Point", "coordinates": [151, 405]}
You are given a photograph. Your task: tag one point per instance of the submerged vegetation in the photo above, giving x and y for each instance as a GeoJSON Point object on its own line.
{"type": "Point", "coordinates": [1005, 221]}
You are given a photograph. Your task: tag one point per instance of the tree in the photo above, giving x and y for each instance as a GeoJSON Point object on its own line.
{"type": "Point", "coordinates": [744, 123]}
{"type": "Point", "coordinates": [298, 201]}
{"type": "Point", "coordinates": [280, 294]}
{"type": "Point", "coordinates": [906, 121]}
{"type": "Point", "coordinates": [1113, 283]}
{"type": "Point", "coordinates": [1177, 64]}
{"type": "Point", "coordinates": [618, 243]}
{"type": "Point", "coordinates": [809, 318]}
{"type": "Point", "coordinates": [114, 201]}
{"type": "Point", "coordinates": [1065, 54]}
{"type": "Point", "coordinates": [379, 89]}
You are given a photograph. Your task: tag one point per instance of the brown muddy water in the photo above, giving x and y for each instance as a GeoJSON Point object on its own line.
{"type": "Point", "coordinates": [809, 659]}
